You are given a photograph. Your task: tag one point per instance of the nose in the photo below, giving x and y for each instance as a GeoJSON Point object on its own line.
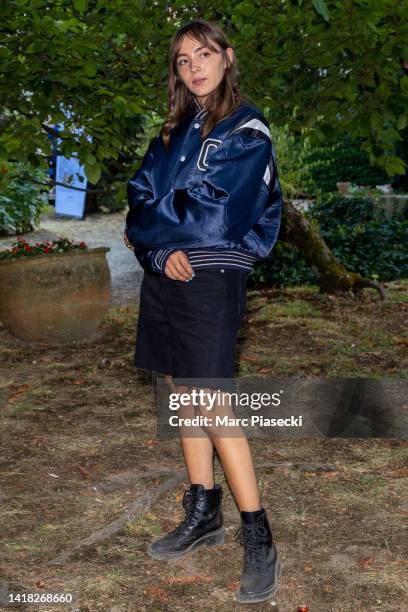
{"type": "Point", "coordinates": [194, 66]}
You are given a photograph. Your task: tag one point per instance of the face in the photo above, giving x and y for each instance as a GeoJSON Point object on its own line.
{"type": "Point", "coordinates": [201, 69]}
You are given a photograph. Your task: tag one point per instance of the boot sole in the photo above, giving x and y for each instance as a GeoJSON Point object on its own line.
{"type": "Point", "coordinates": [215, 538]}
{"type": "Point", "coordinates": [266, 593]}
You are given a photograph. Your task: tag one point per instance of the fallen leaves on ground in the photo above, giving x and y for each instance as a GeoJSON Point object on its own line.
{"type": "Point", "coordinates": [364, 563]}
{"type": "Point", "coordinates": [156, 593]}
{"type": "Point", "coordinates": [21, 390]}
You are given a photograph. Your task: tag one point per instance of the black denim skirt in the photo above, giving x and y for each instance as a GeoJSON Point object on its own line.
{"type": "Point", "coordinates": [189, 329]}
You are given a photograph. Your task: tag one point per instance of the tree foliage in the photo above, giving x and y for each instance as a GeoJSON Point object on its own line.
{"type": "Point", "coordinates": [321, 67]}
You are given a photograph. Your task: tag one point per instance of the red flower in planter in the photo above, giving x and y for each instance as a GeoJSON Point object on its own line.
{"type": "Point", "coordinates": [21, 248]}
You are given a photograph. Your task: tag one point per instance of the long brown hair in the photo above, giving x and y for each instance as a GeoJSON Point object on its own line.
{"type": "Point", "coordinates": [221, 102]}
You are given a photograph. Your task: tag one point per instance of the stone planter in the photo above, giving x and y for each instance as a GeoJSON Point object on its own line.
{"type": "Point", "coordinates": [56, 297]}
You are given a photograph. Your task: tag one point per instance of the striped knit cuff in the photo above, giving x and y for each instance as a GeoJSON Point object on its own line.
{"type": "Point", "coordinates": [160, 258]}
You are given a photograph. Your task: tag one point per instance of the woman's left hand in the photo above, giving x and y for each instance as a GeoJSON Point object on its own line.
{"type": "Point", "coordinates": [178, 267]}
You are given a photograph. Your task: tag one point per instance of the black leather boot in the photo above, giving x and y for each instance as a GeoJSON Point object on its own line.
{"type": "Point", "coordinates": [203, 524]}
{"type": "Point", "coordinates": [262, 565]}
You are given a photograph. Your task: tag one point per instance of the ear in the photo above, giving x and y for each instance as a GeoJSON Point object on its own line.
{"type": "Point", "coordinates": [230, 53]}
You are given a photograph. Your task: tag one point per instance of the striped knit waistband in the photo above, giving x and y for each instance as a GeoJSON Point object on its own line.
{"type": "Point", "coordinates": [209, 258]}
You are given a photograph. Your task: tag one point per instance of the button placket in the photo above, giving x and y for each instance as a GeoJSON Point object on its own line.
{"type": "Point", "coordinates": [190, 138]}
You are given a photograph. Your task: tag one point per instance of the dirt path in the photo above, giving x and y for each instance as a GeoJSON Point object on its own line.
{"type": "Point", "coordinates": [78, 450]}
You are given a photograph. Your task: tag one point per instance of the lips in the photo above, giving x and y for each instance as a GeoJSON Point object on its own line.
{"type": "Point", "coordinates": [198, 81]}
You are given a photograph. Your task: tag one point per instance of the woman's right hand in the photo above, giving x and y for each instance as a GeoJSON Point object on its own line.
{"type": "Point", "coordinates": [178, 267]}
{"type": "Point", "coordinates": [127, 243]}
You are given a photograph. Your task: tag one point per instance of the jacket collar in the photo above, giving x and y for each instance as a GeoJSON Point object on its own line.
{"type": "Point", "coordinates": [201, 111]}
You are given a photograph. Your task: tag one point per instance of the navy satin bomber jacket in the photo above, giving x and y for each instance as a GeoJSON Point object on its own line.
{"type": "Point", "coordinates": [222, 192]}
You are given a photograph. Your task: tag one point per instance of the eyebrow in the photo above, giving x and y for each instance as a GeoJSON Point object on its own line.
{"type": "Point", "coordinates": [195, 51]}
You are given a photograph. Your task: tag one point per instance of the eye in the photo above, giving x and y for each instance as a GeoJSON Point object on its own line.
{"type": "Point", "coordinates": [181, 62]}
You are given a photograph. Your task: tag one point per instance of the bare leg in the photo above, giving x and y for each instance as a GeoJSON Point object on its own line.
{"type": "Point", "coordinates": [198, 451]}
{"type": "Point", "coordinates": [235, 455]}
{"type": "Point", "coordinates": [236, 458]}
{"type": "Point", "coordinates": [199, 458]}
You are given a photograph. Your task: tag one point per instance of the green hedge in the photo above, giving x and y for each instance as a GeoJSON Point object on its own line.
{"type": "Point", "coordinates": [363, 240]}
{"type": "Point", "coordinates": [345, 161]}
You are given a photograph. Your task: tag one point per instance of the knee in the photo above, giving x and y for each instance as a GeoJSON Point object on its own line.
{"type": "Point", "coordinates": [181, 389]}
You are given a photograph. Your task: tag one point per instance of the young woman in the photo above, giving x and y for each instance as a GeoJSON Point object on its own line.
{"type": "Point", "coordinates": [203, 206]}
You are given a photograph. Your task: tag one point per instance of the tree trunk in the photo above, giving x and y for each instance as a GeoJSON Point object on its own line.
{"type": "Point", "coordinates": [331, 275]}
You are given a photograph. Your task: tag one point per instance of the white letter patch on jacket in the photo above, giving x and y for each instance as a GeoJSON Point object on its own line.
{"type": "Point", "coordinates": [208, 142]}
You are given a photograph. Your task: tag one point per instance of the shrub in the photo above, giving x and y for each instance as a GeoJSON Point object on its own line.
{"type": "Point", "coordinates": [20, 201]}
{"type": "Point", "coordinates": [293, 169]}
{"type": "Point", "coordinates": [344, 161]}
{"type": "Point", "coordinates": [285, 266]}
{"type": "Point", "coordinates": [363, 239]}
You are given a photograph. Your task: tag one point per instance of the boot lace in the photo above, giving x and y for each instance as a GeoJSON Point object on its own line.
{"type": "Point", "coordinates": [192, 511]}
{"type": "Point", "coordinates": [254, 550]}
